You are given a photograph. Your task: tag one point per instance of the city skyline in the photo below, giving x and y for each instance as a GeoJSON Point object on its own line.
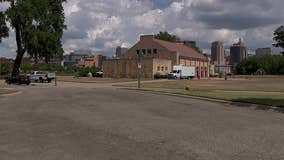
{"type": "Point", "coordinates": [102, 25]}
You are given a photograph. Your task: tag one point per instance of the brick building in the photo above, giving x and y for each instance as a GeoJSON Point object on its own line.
{"type": "Point", "coordinates": [158, 57]}
{"type": "Point", "coordinates": [92, 61]}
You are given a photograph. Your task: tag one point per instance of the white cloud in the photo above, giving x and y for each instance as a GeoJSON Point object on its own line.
{"type": "Point", "coordinates": [101, 25]}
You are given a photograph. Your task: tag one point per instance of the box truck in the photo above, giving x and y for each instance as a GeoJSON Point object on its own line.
{"type": "Point", "coordinates": [183, 72]}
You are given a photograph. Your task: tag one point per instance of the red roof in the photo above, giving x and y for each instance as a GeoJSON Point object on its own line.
{"type": "Point", "coordinates": [181, 48]}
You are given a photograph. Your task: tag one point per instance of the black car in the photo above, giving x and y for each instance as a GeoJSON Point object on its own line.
{"type": "Point", "coordinates": [18, 80]}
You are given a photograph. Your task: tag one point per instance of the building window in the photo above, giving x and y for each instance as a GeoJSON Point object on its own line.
{"type": "Point", "coordinates": [144, 51]}
{"type": "Point", "coordinates": [166, 68]}
{"type": "Point", "coordinates": [158, 68]}
{"type": "Point", "coordinates": [149, 51]}
{"type": "Point", "coordinates": [138, 52]}
{"type": "Point", "coordinates": [155, 51]}
{"type": "Point", "coordinates": [162, 68]}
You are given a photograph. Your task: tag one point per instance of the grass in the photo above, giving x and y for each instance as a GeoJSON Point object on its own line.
{"type": "Point", "coordinates": [267, 90]}
{"type": "Point", "coordinates": [92, 80]}
{"type": "Point", "coordinates": [263, 98]}
{"type": "Point", "coordinates": [272, 84]}
{"type": "Point", "coordinates": [6, 91]}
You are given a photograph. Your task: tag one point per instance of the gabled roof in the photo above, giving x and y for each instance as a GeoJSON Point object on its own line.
{"type": "Point", "coordinates": [181, 48]}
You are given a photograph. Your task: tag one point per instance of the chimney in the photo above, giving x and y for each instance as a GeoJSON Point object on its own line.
{"type": "Point", "coordinates": [146, 37]}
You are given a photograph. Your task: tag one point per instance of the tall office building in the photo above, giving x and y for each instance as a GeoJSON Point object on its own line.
{"type": "Point", "coordinates": [120, 51]}
{"type": "Point", "coordinates": [218, 53]}
{"type": "Point", "coordinates": [238, 52]}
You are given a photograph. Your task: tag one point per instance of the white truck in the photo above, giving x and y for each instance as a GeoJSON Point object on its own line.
{"type": "Point", "coordinates": [39, 76]}
{"type": "Point", "coordinates": [183, 72]}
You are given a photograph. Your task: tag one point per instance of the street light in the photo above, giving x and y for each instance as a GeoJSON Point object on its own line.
{"type": "Point", "coordinates": [139, 63]}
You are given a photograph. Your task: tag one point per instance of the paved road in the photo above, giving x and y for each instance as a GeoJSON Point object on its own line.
{"type": "Point", "coordinates": [95, 122]}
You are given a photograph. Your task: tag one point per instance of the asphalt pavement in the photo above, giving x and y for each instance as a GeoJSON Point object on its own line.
{"type": "Point", "coordinates": [99, 122]}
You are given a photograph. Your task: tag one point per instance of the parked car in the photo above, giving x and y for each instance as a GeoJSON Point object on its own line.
{"type": "Point", "coordinates": [21, 79]}
{"type": "Point", "coordinates": [99, 74]}
{"type": "Point", "coordinates": [39, 76]}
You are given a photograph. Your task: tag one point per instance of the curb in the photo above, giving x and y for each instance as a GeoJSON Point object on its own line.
{"type": "Point", "coordinates": [249, 105]}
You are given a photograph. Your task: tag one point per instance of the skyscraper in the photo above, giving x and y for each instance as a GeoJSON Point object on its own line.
{"type": "Point", "coordinates": [218, 53]}
{"type": "Point", "coordinates": [238, 52]}
{"type": "Point", "coordinates": [120, 51]}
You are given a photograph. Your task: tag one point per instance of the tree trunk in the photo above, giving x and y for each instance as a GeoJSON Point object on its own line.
{"type": "Point", "coordinates": [20, 52]}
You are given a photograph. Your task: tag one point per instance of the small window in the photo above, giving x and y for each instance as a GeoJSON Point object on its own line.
{"type": "Point", "coordinates": [137, 52]}
{"type": "Point", "coordinates": [144, 51]}
{"type": "Point", "coordinates": [162, 69]}
{"type": "Point", "coordinates": [149, 51]}
{"type": "Point", "coordinates": [155, 51]}
{"type": "Point", "coordinates": [158, 68]}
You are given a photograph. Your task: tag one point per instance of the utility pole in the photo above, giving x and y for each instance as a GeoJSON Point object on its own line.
{"type": "Point", "coordinates": [139, 69]}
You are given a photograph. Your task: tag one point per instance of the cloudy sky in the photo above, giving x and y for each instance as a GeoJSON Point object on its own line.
{"type": "Point", "coordinates": [101, 25]}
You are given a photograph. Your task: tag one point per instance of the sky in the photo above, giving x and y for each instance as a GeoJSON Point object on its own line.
{"type": "Point", "coordinates": [102, 25]}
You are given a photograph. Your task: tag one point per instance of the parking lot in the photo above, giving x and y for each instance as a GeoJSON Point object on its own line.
{"type": "Point", "coordinates": [76, 121]}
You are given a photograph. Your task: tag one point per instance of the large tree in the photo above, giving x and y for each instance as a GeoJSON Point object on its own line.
{"type": "Point", "coordinates": [167, 37]}
{"type": "Point", "coordinates": [38, 27]}
{"type": "Point", "coordinates": [279, 37]}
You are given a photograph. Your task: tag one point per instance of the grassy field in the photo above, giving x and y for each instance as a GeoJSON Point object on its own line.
{"type": "Point", "coordinates": [268, 84]}
{"type": "Point", "coordinates": [6, 91]}
{"type": "Point", "coordinates": [258, 90]}
{"type": "Point", "coordinates": [91, 80]}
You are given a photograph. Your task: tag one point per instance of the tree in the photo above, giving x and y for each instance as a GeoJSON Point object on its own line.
{"type": "Point", "coordinates": [38, 26]}
{"type": "Point", "coordinates": [167, 37]}
{"type": "Point", "coordinates": [269, 64]}
{"type": "Point", "coordinates": [279, 37]}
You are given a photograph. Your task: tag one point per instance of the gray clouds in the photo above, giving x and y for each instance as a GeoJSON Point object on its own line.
{"type": "Point", "coordinates": [101, 25]}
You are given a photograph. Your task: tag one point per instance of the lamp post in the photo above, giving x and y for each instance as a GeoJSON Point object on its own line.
{"type": "Point", "coordinates": [139, 63]}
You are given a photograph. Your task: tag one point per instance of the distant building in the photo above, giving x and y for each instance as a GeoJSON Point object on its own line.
{"type": "Point", "coordinates": [73, 58]}
{"type": "Point", "coordinates": [263, 51]}
{"type": "Point", "coordinates": [158, 57]}
{"type": "Point", "coordinates": [120, 51]}
{"type": "Point", "coordinates": [218, 53]}
{"type": "Point", "coordinates": [93, 61]}
{"type": "Point", "coordinates": [6, 60]}
{"type": "Point", "coordinates": [238, 52]}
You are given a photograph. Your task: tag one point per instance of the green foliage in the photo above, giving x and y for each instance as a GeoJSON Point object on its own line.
{"type": "Point", "coordinates": [268, 64]}
{"type": "Point", "coordinates": [83, 72]}
{"type": "Point", "coordinates": [5, 69]}
{"type": "Point", "coordinates": [38, 26]}
{"type": "Point", "coordinates": [279, 37]}
{"type": "Point", "coordinates": [167, 37]}
{"type": "Point", "coordinates": [197, 49]}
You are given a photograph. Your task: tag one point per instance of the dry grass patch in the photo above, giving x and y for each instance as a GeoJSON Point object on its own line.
{"type": "Point", "coordinates": [7, 91]}
{"type": "Point", "coordinates": [269, 84]}
{"type": "Point", "coordinates": [257, 90]}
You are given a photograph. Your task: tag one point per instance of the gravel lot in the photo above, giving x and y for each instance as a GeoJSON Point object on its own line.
{"type": "Point", "coordinates": [98, 122]}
